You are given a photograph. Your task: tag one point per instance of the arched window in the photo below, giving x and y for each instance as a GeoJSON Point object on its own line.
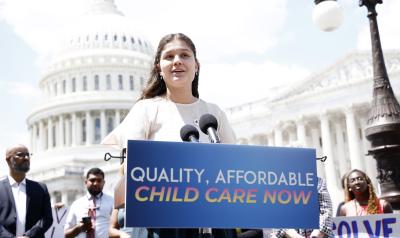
{"type": "Point", "coordinates": [84, 83]}
{"type": "Point", "coordinates": [53, 134]}
{"type": "Point", "coordinates": [83, 130]}
{"type": "Point", "coordinates": [55, 89]}
{"type": "Point", "coordinates": [96, 82]}
{"type": "Point", "coordinates": [73, 88]}
{"type": "Point", "coordinates": [97, 130]}
{"type": "Point", "coordinates": [108, 81]}
{"type": "Point", "coordinates": [110, 124]}
{"type": "Point", "coordinates": [120, 82]}
{"type": "Point", "coordinates": [131, 83]}
{"type": "Point", "coordinates": [64, 86]}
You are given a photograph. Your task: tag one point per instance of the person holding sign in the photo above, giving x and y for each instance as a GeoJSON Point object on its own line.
{"type": "Point", "coordinates": [169, 101]}
{"type": "Point", "coordinates": [360, 196]}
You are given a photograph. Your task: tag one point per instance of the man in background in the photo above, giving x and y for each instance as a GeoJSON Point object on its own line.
{"type": "Point", "coordinates": [89, 216]}
{"type": "Point", "coordinates": [25, 209]}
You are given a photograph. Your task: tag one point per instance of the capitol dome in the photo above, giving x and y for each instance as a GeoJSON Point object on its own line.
{"type": "Point", "coordinates": [88, 87]}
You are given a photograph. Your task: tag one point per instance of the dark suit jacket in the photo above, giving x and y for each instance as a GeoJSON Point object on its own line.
{"type": "Point", "coordinates": [38, 210]}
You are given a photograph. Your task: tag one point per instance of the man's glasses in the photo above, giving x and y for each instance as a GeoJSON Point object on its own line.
{"type": "Point", "coordinates": [22, 155]}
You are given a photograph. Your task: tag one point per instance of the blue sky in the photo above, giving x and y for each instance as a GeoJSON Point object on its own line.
{"type": "Point", "coordinates": [251, 46]}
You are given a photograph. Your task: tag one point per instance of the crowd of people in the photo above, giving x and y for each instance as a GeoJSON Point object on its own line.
{"type": "Point", "coordinates": [169, 101]}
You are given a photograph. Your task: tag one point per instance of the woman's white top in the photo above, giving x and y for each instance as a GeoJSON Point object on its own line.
{"type": "Point", "coordinates": [160, 119]}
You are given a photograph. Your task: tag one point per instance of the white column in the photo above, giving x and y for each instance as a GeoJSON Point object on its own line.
{"type": "Point", "coordinates": [126, 82]}
{"type": "Point", "coordinates": [34, 138]}
{"type": "Point", "coordinates": [64, 196]}
{"type": "Point", "coordinates": [74, 126]}
{"type": "Point", "coordinates": [30, 129]}
{"type": "Point", "coordinates": [49, 133]}
{"type": "Point", "coordinates": [79, 129]}
{"type": "Point", "coordinates": [90, 82]}
{"type": "Point", "coordinates": [301, 133]}
{"type": "Point", "coordinates": [79, 83]}
{"type": "Point", "coordinates": [102, 81]}
{"type": "Point", "coordinates": [41, 136]}
{"type": "Point", "coordinates": [60, 86]}
{"type": "Point", "coordinates": [270, 139]}
{"type": "Point", "coordinates": [68, 132]}
{"type": "Point", "coordinates": [331, 177]}
{"type": "Point", "coordinates": [89, 128]}
{"type": "Point", "coordinates": [60, 131]}
{"type": "Point", "coordinates": [103, 124]}
{"type": "Point", "coordinates": [278, 137]}
{"type": "Point", "coordinates": [68, 84]}
{"type": "Point", "coordinates": [292, 135]}
{"type": "Point", "coordinates": [117, 118]}
{"type": "Point", "coordinates": [353, 138]}
{"type": "Point", "coordinates": [114, 82]}
{"type": "Point", "coordinates": [316, 145]}
{"type": "Point", "coordinates": [340, 148]}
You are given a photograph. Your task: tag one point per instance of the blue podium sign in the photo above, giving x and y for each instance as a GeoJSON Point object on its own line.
{"type": "Point", "coordinates": [188, 185]}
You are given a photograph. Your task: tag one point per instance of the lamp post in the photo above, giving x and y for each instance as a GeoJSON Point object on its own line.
{"type": "Point", "coordinates": [383, 125]}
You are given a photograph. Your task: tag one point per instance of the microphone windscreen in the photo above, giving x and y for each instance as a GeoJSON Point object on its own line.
{"type": "Point", "coordinates": [206, 121]}
{"type": "Point", "coordinates": [187, 131]}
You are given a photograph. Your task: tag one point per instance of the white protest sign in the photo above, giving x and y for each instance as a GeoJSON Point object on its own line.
{"type": "Point", "coordinates": [385, 225]}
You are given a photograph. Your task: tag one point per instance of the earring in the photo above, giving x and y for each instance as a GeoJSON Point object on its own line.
{"type": "Point", "coordinates": [160, 77]}
{"type": "Point", "coordinates": [196, 74]}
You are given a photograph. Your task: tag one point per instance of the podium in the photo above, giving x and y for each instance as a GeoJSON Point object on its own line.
{"type": "Point", "coordinates": [192, 185]}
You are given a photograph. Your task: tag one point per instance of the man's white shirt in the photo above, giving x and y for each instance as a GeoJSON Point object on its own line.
{"type": "Point", "coordinates": [19, 193]}
{"type": "Point", "coordinates": [80, 208]}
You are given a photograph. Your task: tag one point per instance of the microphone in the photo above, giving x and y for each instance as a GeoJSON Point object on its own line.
{"type": "Point", "coordinates": [208, 125]}
{"type": "Point", "coordinates": [189, 133]}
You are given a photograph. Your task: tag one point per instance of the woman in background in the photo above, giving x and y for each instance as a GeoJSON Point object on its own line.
{"type": "Point", "coordinates": [360, 197]}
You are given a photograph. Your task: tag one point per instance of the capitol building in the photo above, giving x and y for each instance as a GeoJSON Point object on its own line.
{"type": "Point", "coordinates": [89, 87]}
{"type": "Point", "coordinates": [93, 81]}
{"type": "Point", "coordinates": [327, 111]}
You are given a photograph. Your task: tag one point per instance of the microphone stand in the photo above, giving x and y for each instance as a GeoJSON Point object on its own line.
{"type": "Point", "coordinates": [122, 156]}
{"type": "Point", "coordinates": [207, 232]}
{"type": "Point", "coordinates": [119, 191]}
{"type": "Point", "coordinates": [189, 133]}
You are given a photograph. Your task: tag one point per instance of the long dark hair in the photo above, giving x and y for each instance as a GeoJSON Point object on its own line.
{"type": "Point", "coordinates": [155, 85]}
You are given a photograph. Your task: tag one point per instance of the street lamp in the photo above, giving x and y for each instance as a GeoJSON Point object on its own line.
{"type": "Point", "coordinates": [383, 125]}
{"type": "Point", "coordinates": [327, 15]}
